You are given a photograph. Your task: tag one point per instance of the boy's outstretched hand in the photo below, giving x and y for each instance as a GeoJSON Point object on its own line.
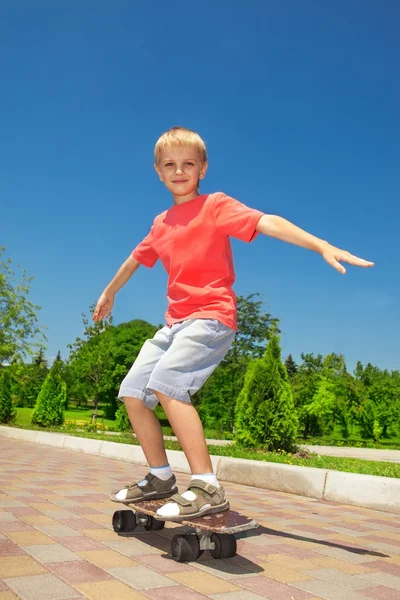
{"type": "Point", "coordinates": [333, 255]}
{"type": "Point", "coordinates": [103, 307]}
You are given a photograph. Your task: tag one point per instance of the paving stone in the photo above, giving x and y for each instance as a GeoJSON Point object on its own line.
{"type": "Point", "coordinates": [107, 559]}
{"type": "Point", "coordinates": [273, 590]}
{"type": "Point", "coordinates": [109, 590]}
{"type": "Point", "coordinates": [41, 587]}
{"type": "Point", "coordinates": [203, 582]}
{"type": "Point", "coordinates": [38, 520]}
{"type": "Point", "coordinates": [223, 569]}
{"type": "Point", "coordinates": [330, 591]}
{"type": "Point", "coordinates": [283, 574]}
{"type": "Point", "coordinates": [30, 538]}
{"type": "Point", "coordinates": [161, 564]}
{"type": "Point", "coordinates": [16, 566]}
{"type": "Point", "coordinates": [351, 582]}
{"type": "Point", "coordinates": [8, 596]}
{"type": "Point", "coordinates": [47, 553]}
{"type": "Point", "coordinates": [78, 572]}
{"type": "Point", "coordinates": [174, 593]}
{"type": "Point", "coordinates": [377, 577]}
{"type": "Point", "coordinates": [141, 577]}
{"type": "Point", "coordinates": [97, 534]}
{"type": "Point", "coordinates": [80, 543]}
{"type": "Point", "coordinates": [9, 548]}
{"type": "Point", "coordinates": [382, 593]}
{"type": "Point", "coordinates": [131, 547]}
{"type": "Point", "coordinates": [245, 595]}
{"type": "Point", "coordinates": [57, 530]}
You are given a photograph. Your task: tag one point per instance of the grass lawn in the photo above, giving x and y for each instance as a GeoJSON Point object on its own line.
{"type": "Point", "coordinates": [78, 414]}
{"type": "Point", "coordinates": [355, 439]}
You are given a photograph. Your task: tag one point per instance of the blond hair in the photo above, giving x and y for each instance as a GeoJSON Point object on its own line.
{"type": "Point", "coordinates": [180, 137]}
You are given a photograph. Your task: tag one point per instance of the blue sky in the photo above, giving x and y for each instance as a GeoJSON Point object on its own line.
{"type": "Point", "coordinates": [298, 102]}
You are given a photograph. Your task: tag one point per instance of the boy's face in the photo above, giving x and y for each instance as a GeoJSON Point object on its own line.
{"type": "Point", "coordinates": [180, 170]}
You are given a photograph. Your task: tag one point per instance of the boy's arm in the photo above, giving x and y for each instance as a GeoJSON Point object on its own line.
{"type": "Point", "coordinates": [106, 300]}
{"type": "Point", "coordinates": [286, 231]}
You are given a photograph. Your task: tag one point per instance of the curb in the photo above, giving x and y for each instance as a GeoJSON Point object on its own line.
{"type": "Point", "coordinates": [367, 491]}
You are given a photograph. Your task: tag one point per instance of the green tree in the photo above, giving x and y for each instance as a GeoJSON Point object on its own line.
{"type": "Point", "coordinates": [91, 361]}
{"type": "Point", "coordinates": [291, 366]}
{"type": "Point", "coordinates": [265, 415]}
{"type": "Point", "coordinates": [368, 420]}
{"type": "Point", "coordinates": [50, 403]}
{"type": "Point", "coordinates": [122, 421]}
{"type": "Point", "coordinates": [39, 359]}
{"type": "Point", "coordinates": [320, 410]}
{"type": "Point", "coordinates": [216, 400]}
{"type": "Point", "coordinates": [20, 332]}
{"type": "Point", "coordinates": [28, 380]}
{"type": "Point", "coordinates": [304, 386]}
{"type": "Point", "coordinates": [7, 409]}
{"type": "Point", "coordinates": [382, 388]}
{"type": "Point", "coordinates": [100, 360]}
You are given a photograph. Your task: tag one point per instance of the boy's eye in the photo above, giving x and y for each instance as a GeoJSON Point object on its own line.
{"type": "Point", "coordinates": [169, 164]}
{"type": "Point", "coordinates": [189, 163]}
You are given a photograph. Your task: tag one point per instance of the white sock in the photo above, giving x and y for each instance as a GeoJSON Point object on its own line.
{"type": "Point", "coordinates": [171, 509]}
{"type": "Point", "coordinates": [163, 473]}
{"type": "Point", "coordinates": [207, 477]}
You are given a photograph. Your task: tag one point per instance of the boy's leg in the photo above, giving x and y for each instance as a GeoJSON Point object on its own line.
{"type": "Point", "coordinates": [148, 431]}
{"type": "Point", "coordinates": [160, 481]}
{"type": "Point", "coordinates": [185, 422]}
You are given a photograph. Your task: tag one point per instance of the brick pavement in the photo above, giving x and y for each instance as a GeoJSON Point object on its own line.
{"type": "Point", "coordinates": [56, 541]}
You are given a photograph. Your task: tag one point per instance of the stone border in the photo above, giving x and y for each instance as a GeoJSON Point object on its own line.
{"type": "Point", "coordinates": [368, 491]}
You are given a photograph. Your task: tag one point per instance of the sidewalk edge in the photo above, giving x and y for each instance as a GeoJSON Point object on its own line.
{"type": "Point", "coordinates": [367, 491]}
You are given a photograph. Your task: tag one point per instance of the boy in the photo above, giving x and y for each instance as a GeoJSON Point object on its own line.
{"type": "Point", "coordinates": [192, 241]}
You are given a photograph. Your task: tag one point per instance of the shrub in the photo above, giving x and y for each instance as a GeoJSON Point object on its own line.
{"type": "Point", "coordinates": [122, 422]}
{"type": "Point", "coordinates": [265, 414]}
{"type": "Point", "coordinates": [7, 408]}
{"type": "Point", "coordinates": [50, 403]}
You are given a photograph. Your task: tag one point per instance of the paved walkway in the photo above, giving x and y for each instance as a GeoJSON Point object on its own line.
{"type": "Point", "coordinates": [56, 541]}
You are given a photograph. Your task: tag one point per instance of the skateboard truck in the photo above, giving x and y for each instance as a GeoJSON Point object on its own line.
{"type": "Point", "coordinates": [212, 532]}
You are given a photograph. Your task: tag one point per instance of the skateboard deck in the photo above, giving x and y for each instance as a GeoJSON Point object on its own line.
{"type": "Point", "coordinates": [211, 532]}
{"type": "Point", "coordinates": [228, 521]}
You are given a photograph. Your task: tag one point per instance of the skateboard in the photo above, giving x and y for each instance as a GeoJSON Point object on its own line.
{"type": "Point", "coordinates": [210, 532]}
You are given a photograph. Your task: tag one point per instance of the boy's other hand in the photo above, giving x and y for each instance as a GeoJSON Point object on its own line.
{"type": "Point", "coordinates": [103, 307]}
{"type": "Point", "coordinates": [333, 255]}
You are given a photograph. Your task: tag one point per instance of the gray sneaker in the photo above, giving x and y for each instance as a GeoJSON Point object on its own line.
{"type": "Point", "coordinates": [154, 489]}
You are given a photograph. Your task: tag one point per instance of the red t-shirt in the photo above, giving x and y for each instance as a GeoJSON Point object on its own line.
{"type": "Point", "coordinates": [192, 241]}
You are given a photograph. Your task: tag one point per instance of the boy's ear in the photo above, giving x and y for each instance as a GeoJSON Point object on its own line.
{"type": "Point", "coordinates": [203, 170]}
{"type": "Point", "coordinates": [158, 172]}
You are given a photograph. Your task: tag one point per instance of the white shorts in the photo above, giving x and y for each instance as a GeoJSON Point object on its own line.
{"type": "Point", "coordinates": [177, 360]}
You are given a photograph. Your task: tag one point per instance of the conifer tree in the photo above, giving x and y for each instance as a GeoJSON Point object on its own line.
{"type": "Point", "coordinates": [7, 409]}
{"type": "Point", "coordinates": [50, 403]}
{"type": "Point", "coordinates": [291, 366]}
{"type": "Point", "coordinates": [265, 415]}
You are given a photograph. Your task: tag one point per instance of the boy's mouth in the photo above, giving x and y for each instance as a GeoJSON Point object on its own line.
{"type": "Point", "coordinates": [180, 181]}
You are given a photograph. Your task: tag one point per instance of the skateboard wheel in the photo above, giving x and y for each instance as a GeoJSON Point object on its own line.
{"type": "Point", "coordinates": [154, 524]}
{"type": "Point", "coordinates": [185, 548]}
{"type": "Point", "coordinates": [124, 521]}
{"type": "Point", "coordinates": [225, 545]}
